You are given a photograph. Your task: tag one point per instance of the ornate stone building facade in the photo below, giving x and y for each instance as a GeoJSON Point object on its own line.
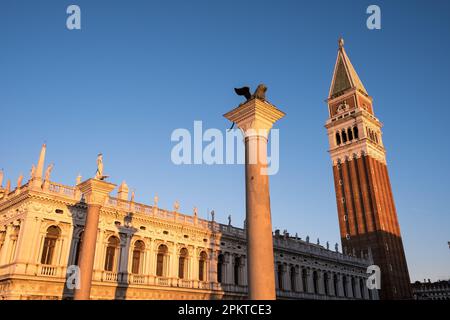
{"type": "Point", "coordinates": [146, 252]}
{"type": "Point", "coordinates": [366, 209]}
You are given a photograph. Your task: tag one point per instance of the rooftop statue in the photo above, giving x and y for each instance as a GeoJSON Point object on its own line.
{"type": "Point", "coordinates": [48, 171]}
{"type": "Point", "coordinates": [99, 174]}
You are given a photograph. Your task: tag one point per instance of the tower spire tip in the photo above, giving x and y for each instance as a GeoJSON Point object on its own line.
{"type": "Point", "coordinates": [341, 42]}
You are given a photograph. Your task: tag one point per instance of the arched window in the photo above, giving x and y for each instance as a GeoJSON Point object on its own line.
{"type": "Point", "coordinates": [220, 262]}
{"type": "Point", "coordinates": [316, 282]}
{"type": "Point", "coordinates": [335, 284]}
{"type": "Point", "coordinates": [338, 138]}
{"type": "Point", "coordinates": [113, 246]}
{"type": "Point", "coordinates": [293, 279]}
{"type": "Point", "coordinates": [350, 134]}
{"type": "Point", "coordinates": [161, 260]}
{"type": "Point", "coordinates": [344, 136]}
{"type": "Point", "coordinates": [182, 265]}
{"type": "Point", "coordinates": [344, 285]}
{"type": "Point", "coordinates": [325, 283]}
{"type": "Point", "coordinates": [51, 238]}
{"type": "Point", "coordinates": [78, 250]}
{"type": "Point", "coordinates": [138, 253]}
{"type": "Point", "coordinates": [280, 273]}
{"type": "Point", "coordinates": [305, 280]}
{"type": "Point", "coordinates": [355, 132]}
{"type": "Point", "coordinates": [202, 266]}
{"type": "Point", "coordinates": [237, 269]}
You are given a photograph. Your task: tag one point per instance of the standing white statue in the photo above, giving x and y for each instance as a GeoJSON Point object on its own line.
{"type": "Point", "coordinates": [78, 180]}
{"type": "Point", "coordinates": [8, 187]}
{"type": "Point", "coordinates": [195, 212]}
{"type": "Point", "coordinates": [1, 178]}
{"type": "Point", "coordinates": [99, 174]}
{"type": "Point", "coordinates": [132, 196]}
{"type": "Point", "coordinates": [32, 171]}
{"type": "Point", "coordinates": [155, 200]}
{"type": "Point", "coordinates": [48, 171]}
{"type": "Point", "coordinates": [176, 206]}
{"type": "Point", "coordinates": [19, 181]}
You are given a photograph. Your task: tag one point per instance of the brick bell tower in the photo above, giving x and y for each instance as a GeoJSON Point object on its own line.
{"type": "Point", "coordinates": [366, 209]}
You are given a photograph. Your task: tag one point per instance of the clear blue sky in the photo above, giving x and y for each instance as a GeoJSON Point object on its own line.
{"type": "Point", "coordinates": [140, 69]}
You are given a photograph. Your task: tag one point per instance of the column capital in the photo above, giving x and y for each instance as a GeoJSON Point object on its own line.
{"type": "Point", "coordinates": [255, 115]}
{"type": "Point", "coordinates": [96, 191]}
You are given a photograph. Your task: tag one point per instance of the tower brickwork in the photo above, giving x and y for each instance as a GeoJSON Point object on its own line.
{"type": "Point", "coordinates": [367, 215]}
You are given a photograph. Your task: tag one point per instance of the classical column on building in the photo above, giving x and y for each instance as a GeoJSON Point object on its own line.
{"type": "Point", "coordinates": [320, 280]}
{"type": "Point", "coordinates": [340, 286]}
{"type": "Point", "coordinates": [6, 244]}
{"type": "Point", "coordinates": [310, 279]}
{"type": "Point", "coordinates": [95, 193]}
{"type": "Point", "coordinates": [255, 118]}
{"type": "Point", "coordinates": [243, 271]}
{"type": "Point", "coordinates": [213, 267]}
{"type": "Point", "coordinates": [366, 289]}
{"type": "Point", "coordinates": [228, 268]}
{"type": "Point", "coordinates": [330, 284]}
{"type": "Point", "coordinates": [357, 293]}
{"type": "Point", "coordinates": [173, 263]}
{"type": "Point", "coordinates": [286, 278]}
{"type": "Point", "coordinates": [124, 254]}
{"type": "Point", "coordinates": [349, 286]}
{"type": "Point", "coordinates": [25, 243]}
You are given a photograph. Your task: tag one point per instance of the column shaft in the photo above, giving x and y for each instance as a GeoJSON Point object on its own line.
{"type": "Point", "coordinates": [87, 253]}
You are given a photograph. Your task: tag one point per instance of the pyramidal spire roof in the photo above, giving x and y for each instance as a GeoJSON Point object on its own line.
{"type": "Point", "coordinates": [344, 75]}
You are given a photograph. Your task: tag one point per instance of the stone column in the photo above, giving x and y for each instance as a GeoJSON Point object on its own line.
{"type": "Point", "coordinates": [95, 193]}
{"type": "Point", "coordinates": [227, 266]}
{"type": "Point", "coordinates": [6, 244]}
{"type": "Point", "coordinates": [320, 280]}
{"type": "Point", "coordinates": [213, 267]}
{"type": "Point", "coordinates": [255, 118]}
{"type": "Point", "coordinates": [341, 284]}
{"type": "Point", "coordinates": [310, 279]}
